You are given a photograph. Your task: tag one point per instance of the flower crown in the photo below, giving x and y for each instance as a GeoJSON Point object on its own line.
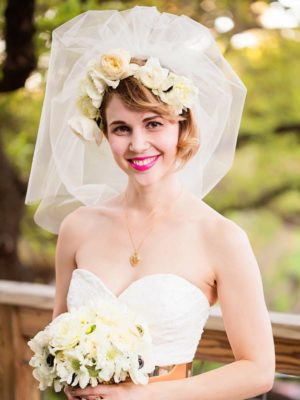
{"type": "Point", "coordinates": [107, 70]}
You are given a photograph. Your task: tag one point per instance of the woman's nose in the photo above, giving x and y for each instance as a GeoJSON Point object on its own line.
{"type": "Point", "coordinates": [139, 141]}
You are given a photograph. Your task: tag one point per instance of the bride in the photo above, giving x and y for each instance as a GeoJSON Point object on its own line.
{"type": "Point", "coordinates": [156, 244]}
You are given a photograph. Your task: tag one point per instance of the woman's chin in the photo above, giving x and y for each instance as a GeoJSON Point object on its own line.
{"type": "Point", "coordinates": [145, 180]}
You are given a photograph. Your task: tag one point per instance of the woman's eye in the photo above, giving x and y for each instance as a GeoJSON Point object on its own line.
{"type": "Point", "coordinates": [121, 128]}
{"type": "Point", "coordinates": [154, 124]}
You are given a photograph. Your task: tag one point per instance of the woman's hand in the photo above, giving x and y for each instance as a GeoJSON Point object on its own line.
{"type": "Point", "coordinates": [120, 391]}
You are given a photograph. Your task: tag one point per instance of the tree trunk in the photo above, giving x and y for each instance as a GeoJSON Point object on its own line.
{"type": "Point", "coordinates": [12, 192]}
{"type": "Point", "coordinates": [20, 58]}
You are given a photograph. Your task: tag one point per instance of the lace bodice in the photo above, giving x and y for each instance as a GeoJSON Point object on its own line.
{"type": "Point", "coordinates": [176, 310]}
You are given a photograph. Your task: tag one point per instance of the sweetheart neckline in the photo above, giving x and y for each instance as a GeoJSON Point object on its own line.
{"type": "Point", "coordinates": [200, 291]}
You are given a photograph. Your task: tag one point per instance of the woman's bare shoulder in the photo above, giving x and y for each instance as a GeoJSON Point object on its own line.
{"type": "Point", "coordinates": [84, 216]}
{"type": "Point", "coordinates": [219, 230]}
{"type": "Point", "coordinates": [227, 242]}
{"type": "Point", "coordinates": [75, 219]}
{"type": "Point", "coordinates": [206, 215]}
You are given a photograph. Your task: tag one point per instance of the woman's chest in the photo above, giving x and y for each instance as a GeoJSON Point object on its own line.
{"type": "Point", "coordinates": [177, 248]}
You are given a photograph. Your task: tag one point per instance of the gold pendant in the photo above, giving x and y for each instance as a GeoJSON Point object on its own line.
{"type": "Point", "coordinates": [134, 259]}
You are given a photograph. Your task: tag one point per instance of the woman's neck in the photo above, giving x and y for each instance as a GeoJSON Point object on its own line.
{"type": "Point", "coordinates": [144, 199]}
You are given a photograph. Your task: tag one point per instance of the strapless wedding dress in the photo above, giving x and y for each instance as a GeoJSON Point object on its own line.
{"type": "Point", "coordinates": [176, 310]}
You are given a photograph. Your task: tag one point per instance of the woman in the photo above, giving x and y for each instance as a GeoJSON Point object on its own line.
{"type": "Point", "coordinates": [156, 245]}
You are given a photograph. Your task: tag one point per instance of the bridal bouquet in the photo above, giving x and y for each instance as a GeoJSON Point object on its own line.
{"type": "Point", "coordinates": [103, 341]}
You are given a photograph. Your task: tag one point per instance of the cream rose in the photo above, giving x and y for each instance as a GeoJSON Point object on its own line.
{"type": "Point", "coordinates": [115, 63]}
{"type": "Point", "coordinates": [110, 68]}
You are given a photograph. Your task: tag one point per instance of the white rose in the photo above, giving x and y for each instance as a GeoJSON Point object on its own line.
{"type": "Point", "coordinates": [152, 75]}
{"type": "Point", "coordinates": [182, 94]}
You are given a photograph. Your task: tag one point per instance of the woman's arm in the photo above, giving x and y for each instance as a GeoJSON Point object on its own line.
{"type": "Point", "coordinates": [247, 325]}
{"type": "Point", "coordinates": [67, 242]}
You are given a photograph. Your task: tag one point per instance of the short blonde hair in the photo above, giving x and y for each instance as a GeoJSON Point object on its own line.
{"type": "Point", "coordinates": [138, 97]}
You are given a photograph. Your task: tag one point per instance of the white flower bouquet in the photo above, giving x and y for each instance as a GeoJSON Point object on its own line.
{"type": "Point", "coordinates": [103, 341]}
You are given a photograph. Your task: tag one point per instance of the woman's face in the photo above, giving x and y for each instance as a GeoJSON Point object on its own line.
{"type": "Point", "coordinates": [144, 144]}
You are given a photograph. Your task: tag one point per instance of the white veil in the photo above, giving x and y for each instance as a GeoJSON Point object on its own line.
{"type": "Point", "coordinates": [67, 172]}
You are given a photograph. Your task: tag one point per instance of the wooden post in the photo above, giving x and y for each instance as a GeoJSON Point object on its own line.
{"type": "Point", "coordinates": [7, 378]}
{"type": "Point", "coordinates": [26, 385]}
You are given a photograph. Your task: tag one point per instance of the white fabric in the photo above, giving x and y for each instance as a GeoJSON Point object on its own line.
{"type": "Point", "coordinates": [176, 310]}
{"type": "Point", "coordinates": [67, 172]}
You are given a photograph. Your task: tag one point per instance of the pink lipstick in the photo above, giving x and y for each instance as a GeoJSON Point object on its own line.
{"type": "Point", "coordinates": [143, 163]}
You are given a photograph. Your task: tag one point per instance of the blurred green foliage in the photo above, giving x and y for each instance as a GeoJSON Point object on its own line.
{"type": "Point", "coordinates": [262, 190]}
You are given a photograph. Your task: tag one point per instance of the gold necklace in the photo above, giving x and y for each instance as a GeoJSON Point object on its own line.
{"type": "Point", "coordinates": [135, 258]}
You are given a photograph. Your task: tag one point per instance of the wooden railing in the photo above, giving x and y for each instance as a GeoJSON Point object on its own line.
{"type": "Point", "coordinates": [26, 308]}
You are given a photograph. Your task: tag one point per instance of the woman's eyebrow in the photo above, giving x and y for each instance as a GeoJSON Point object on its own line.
{"type": "Point", "coordinates": [117, 122]}
{"type": "Point", "coordinates": [145, 119]}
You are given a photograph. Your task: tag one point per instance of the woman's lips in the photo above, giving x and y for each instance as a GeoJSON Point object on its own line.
{"type": "Point", "coordinates": [146, 166]}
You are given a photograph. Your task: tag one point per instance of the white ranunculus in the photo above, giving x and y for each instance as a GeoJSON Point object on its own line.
{"type": "Point", "coordinates": [152, 75]}
{"type": "Point", "coordinates": [86, 128]}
